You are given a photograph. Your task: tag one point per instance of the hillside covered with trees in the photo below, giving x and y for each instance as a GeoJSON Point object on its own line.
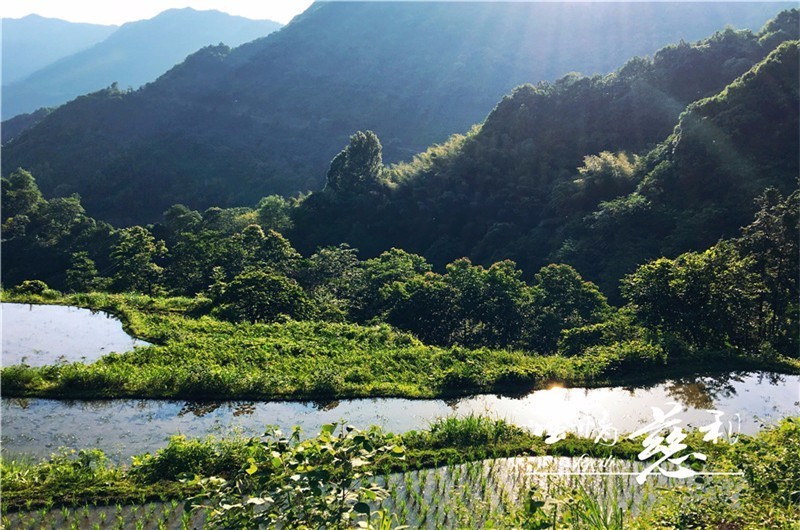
{"type": "Point", "coordinates": [488, 206]}
{"type": "Point", "coordinates": [600, 172]}
{"type": "Point", "coordinates": [227, 127]}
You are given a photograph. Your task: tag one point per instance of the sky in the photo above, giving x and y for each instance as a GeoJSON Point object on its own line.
{"type": "Point", "coordinates": [111, 12]}
{"type": "Point", "coordinates": [116, 12]}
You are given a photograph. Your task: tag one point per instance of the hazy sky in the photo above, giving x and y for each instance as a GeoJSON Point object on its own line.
{"type": "Point", "coordinates": [113, 12]}
{"type": "Point", "coordinates": [119, 12]}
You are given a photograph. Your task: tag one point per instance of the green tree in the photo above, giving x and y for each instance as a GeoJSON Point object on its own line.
{"type": "Point", "coordinates": [133, 260]}
{"type": "Point", "coordinates": [192, 259]}
{"type": "Point", "coordinates": [490, 302]}
{"type": "Point", "coordinates": [358, 166]}
{"type": "Point", "coordinates": [20, 195]}
{"type": "Point", "coordinates": [263, 296]}
{"type": "Point", "coordinates": [274, 212]}
{"type": "Point", "coordinates": [58, 219]}
{"type": "Point", "coordinates": [82, 275]}
{"type": "Point", "coordinates": [425, 306]}
{"type": "Point", "coordinates": [704, 299]}
{"type": "Point", "coordinates": [394, 265]}
{"type": "Point", "coordinates": [334, 277]}
{"type": "Point", "coordinates": [772, 242]}
{"type": "Point", "coordinates": [179, 218]}
{"type": "Point", "coordinates": [561, 300]}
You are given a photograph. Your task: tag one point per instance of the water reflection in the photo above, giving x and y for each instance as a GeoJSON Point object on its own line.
{"type": "Point", "coordinates": [325, 405]}
{"type": "Point", "coordinates": [199, 408]}
{"type": "Point", "coordinates": [40, 335]}
{"type": "Point", "coordinates": [692, 394]}
{"type": "Point", "coordinates": [127, 427]}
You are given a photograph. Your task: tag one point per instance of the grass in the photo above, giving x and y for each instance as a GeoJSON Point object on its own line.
{"type": "Point", "coordinates": [69, 478]}
{"type": "Point", "coordinates": [481, 493]}
{"type": "Point", "coordinates": [205, 358]}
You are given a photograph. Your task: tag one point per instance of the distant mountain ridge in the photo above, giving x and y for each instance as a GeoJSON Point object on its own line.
{"type": "Point", "coordinates": [136, 53]}
{"type": "Point", "coordinates": [226, 127]}
{"type": "Point", "coordinates": [25, 50]}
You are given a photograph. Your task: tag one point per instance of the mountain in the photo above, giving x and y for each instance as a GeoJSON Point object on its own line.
{"type": "Point", "coordinates": [602, 173]}
{"type": "Point", "coordinates": [135, 54]}
{"type": "Point", "coordinates": [226, 127]}
{"type": "Point", "coordinates": [25, 50]}
{"type": "Point", "coordinates": [700, 184]}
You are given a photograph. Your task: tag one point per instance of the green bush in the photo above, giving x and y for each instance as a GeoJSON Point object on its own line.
{"type": "Point", "coordinates": [469, 431]}
{"type": "Point", "coordinates": [18, 377]}
{"type": "Point", "coordinates": [182, 457]}
{"type": "Point", "coordinates": [320, 482]}
{"type": "Point", "coordinates": [627, 357]}
{"type": "Point", "coordinates": [35, 287]}
{"type": "Point", "coordinates": [771, 462]}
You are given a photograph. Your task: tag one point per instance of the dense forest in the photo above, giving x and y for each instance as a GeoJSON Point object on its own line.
{"type": "Point", "coordinates": [740, 295]}
{"type": "Point", "coordinates": [226, 127]}
{"type": "Point", "coordinates": [596, 172]}
{"type": "Point", "coordinates": [494, 204]}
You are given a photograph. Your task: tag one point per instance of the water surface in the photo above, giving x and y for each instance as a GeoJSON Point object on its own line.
{"type": "Point", "coordinates": [126, 427]}
{"type": "Point", "coordinates": [40, 335]}
{"type": "Point", "coordinates": [45, 334]}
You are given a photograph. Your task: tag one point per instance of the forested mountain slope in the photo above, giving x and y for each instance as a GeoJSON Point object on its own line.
{"type": "Point", "coordinates": [530, 184]}
{"type": "Point", "coordinates": [227, 127]}
{"type": "Point", "coordinates": [698, 186]}
{"type": "Point", "coordinates": [136, 53]}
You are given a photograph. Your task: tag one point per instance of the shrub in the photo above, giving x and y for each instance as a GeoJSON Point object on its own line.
{"type": "Point", "coordinates": [321, 482]}
{"type": "Point", "coordinates": [771, 462]}
{"type": "Point", "coordinates": [36, 287]}
{"type": "Point", "coordinates": [629, 356]}
{"type": "Point", "coordinates": [471, 430]}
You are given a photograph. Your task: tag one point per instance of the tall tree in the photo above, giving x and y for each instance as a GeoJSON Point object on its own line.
{"type": "Point", "coordinates": [358, 166]}
{"type": "Point", "coordinates": [133, 260]}
{"type": "Point", "coordinates": [561, 300]}
{"type": "Point", "coordinates": [772, 241]}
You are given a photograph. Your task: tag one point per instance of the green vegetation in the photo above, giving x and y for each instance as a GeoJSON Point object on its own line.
{"type": "Point", "coordinates": [233, 310]}
{"type": "Point", "coordinates": [322, 482]}
{"type": "Point", "coordinates": [343, 474]}
{"type": "Point", "coordinates": [270, 323]}
{"type": "Point", "coordinates": [206, 358]}
{"type": "Point", "coordinates": [284, 105]}
{"type": "Point", "coordinates": [768, 497]}
{"type": "Point", "coordinates": [585, 170]}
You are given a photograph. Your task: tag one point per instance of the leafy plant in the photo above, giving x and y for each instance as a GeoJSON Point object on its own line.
{"type": "Point", "coordinates": [321, 482]}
